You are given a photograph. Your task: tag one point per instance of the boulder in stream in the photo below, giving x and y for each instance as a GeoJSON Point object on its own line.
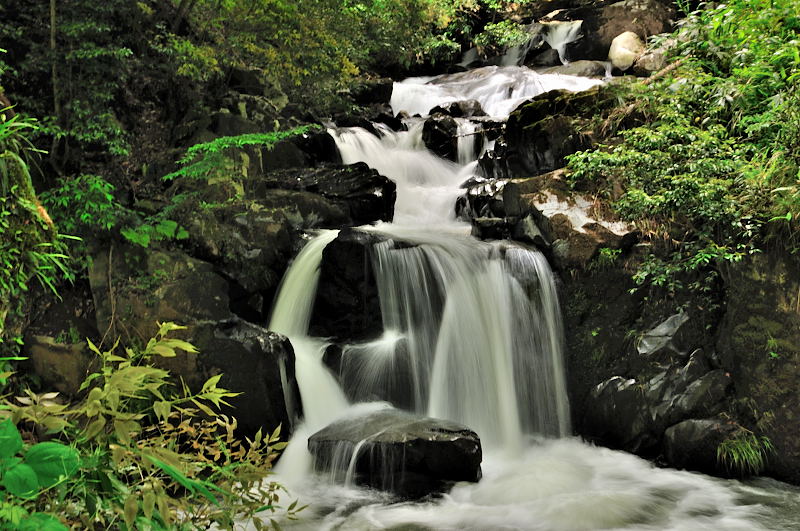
{"type": "Point", "coordinates": [400, 452]}
{"type": "Point", "coordinates": [440, 134]}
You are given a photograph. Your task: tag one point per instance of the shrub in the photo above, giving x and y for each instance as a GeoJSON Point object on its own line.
{"type": "Point", "coordinates": [139, 452]}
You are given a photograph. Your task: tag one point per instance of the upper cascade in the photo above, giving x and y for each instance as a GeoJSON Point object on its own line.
{"type": "Point", "coordinates": [499, 89]}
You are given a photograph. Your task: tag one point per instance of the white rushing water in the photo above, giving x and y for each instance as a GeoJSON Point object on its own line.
{"type": "Point", "coordinates": [472, 333]}
{"type": "Point", "coordinates": [321, 395]}
{"type": "Point", "coordinates": [560, 34]}
{"type": "Point", "coordinates": [499, 89]}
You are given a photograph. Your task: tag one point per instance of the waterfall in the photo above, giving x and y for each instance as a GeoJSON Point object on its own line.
{"type": "Point", "coordinates": [321, 396]}
{"type": "Point", "coordinates": [499, 89]}
{"type": "Point", "coordinates": [471, 333]}
{"type": "Point", "coordinates": [472, 329]}
{"type": "Point", "coordinates": [559, 34]}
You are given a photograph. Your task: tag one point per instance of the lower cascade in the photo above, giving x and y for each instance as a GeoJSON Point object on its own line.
{"type": "Point", "coordinates": [464, 389]}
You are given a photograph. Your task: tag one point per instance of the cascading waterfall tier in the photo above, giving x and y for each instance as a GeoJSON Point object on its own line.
{"type": "Point", "coordinates": [499, 89]}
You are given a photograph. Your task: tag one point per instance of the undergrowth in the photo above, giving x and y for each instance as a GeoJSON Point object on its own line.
{"type": "Point", "coordinates": [714, 172]}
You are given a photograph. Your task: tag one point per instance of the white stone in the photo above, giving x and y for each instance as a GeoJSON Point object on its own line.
{"type": "Point", "coordinates": [625, 49]}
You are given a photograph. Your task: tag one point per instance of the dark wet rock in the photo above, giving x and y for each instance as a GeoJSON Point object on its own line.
{"type": "Point", "coordinates": [440, 134]}
{"type": "Point", "coordinates": [308, 150]}
{"type": "Point", "coordinates": [536, 40]}
{"type": "Point", "coordinates": [364, 194]}
{"type": "Point", "coordinates": [347, 307]}
{"type": "Point", "coordinates": [389, 120]}
{"type": "Point", "coordinates": [349, 120]}
{"type": "Point", "coordinates": [541, 132]}
{"type": "Point", "coordinates": [253, 362]}
{"type": "Point", "coordinates": [545, 58]}
{"type": "Point", "coordinates": [759, 343]}
{"type": "Point", "coordinates": [394, 386]}
{"type": "Point", "coordinates": [134, 289]}
{"type": "Point", "coordinates": [460, 109]}
{"type": "Point", "coordinates": [526, 230]}
{"type": "Point", "coordinates": [250, 244]}
{"type": "Point", "coordinates": [226, 123]}
{"type": "Point", "coordinates": [481, 199]}
{"type": "Point", "coordinates": [533, 148]}
{"type": "Point", "coordinates": [634, 413]}
{"type": "Point", "coordinates": [403, 453]}
{"type": "Point", "coordinates": [253, 82]}
{"type": "Point", "coordinates": [692, 444]}
{"type": "Point", "coordinates": [604, 22]}
{"type": "Point", "coordinates": [672, 338]}
{"type": "Point", "coordinates": [491, 228]}
{"type": "Point", "coordinates": [368, 91]}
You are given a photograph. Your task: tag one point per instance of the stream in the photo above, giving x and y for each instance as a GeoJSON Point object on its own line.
{"type": "Point", "coordinates": [472, 333]}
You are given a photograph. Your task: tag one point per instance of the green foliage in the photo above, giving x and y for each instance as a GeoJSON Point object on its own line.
{"type": "Point", "coordinates": [83, 205]}
{"type": "Point", "coordinates": [144, 453]}
{"type": "Point", "coordinates": [503, 34]}
{"type": "Point", "coordinates": [207, 159]}
{"type": "Point", "coordinates": [605, 259]}
{"type": "Point", "coordinates": [29, 247]}
{"type": "Point", "coordinates": [744, 453]}
{"type": "Point", "coordinates": [26, 474]}
{"type": "Point", "coordinates": [714, 171]}
{"type": "Point", "coordinates": [158, 228]}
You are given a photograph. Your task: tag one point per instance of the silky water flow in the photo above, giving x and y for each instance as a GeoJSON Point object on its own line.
{"type": "Point", "coordinates": [472, 333]}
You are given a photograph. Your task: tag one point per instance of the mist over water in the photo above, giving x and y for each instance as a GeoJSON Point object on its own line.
{"type": "Point", "coordinates": [472, 333]}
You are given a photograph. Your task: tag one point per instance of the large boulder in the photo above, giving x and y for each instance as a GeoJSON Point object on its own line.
{"type": "Point", "coordinates": [633, 414]}
{"type": "Point", "coordinates": [347, 306]}
{"type": "Point", "coordinates": [670, 339]}
{"type": "Point", "coordinates": [654, 59]}
{"type": "Point", "coordinates": [541, 132]}
{"type": "Point", "coordinates": [61, 366]}
{"type": "Point", "coordinates": [459, 109]}
{"type": "Point", "coordinates": [625, 49]}
{"type": "Point", "coordinates": [693, 444]}
{"type": "Point", "coordinates": [133, 289]}
{"type": "Point", "coordinates": [578, 226]}
{"type": "Point", "coordinates": [601, 23]}
{"type": "Point", "coordinates": [361, 192]}
{"type": "Point", "coordinates": [369, 91]}
{"type": "Point", "coordinates": [440, 134]}
{"type": "Point", "coordinates": [400, 452]}
{"type": "Point", "coordinates": [250, 243]}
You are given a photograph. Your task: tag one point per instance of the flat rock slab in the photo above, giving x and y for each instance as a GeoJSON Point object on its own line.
{"type": "Point", "coordinates": [403, 453]}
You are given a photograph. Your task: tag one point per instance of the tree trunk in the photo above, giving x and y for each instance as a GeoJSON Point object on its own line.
{"type": "Point", "coordinates": [184, 8]}
{"type": "Point", "coordinates": [56, 87]}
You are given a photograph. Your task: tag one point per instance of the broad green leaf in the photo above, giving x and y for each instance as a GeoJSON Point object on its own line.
{"type": "Point", "coordinates": [51, 461]}
{"type": "Point", "coordinates": [131, 509]}
{"type": "Point", "coordinates": [41, 522]}
{"type": "Point", "coordinates": [10, 439]}
{"type": "Point", "coordinates": [162, 409]}
{"type": "Point", "coordinates": [20, 480]}
{"type": "Point", "coordinates": [188, 483]}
